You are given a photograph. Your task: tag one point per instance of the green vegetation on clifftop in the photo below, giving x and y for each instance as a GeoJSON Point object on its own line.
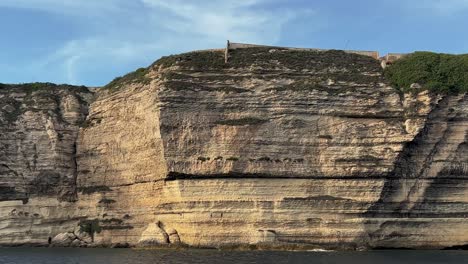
{"type": "Point", "coordinates": [437, 72]}
{"type": "Point", "coordinates": [40, 86]}
{"type": "Point", "coordinates": [268, 58]}
{"type": "Point", "coordinates": [138, 76]}
{"type": "Point", "coordinates": [195, 59]}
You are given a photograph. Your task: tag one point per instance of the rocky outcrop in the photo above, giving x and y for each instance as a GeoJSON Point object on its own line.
{"type": "Point", "coordinates": [276, 149]}
{"type": "Point", "coordinates": [154, 235]}
{"type": "Point", "coordinates": [76, 238]}
{"type": "Point", "coordinates": [39, 124]}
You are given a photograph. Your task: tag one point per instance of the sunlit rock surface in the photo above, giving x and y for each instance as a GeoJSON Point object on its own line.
{"type": "Point", "coordinates": [274, 149]}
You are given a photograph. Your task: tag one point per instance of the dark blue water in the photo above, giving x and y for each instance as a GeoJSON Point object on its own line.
{"type": "Point", "coordinates": [110, 256]}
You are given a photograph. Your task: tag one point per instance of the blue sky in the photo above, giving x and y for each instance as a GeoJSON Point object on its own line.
{"type": "Point", "coordinates": [91, 42]}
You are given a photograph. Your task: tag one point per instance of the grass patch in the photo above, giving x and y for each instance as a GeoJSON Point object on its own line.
{"type": "Point", "coordinates": [443, 73]}
{"type": "Point", "coordinates": [302, 59]}
{"type": "Point", "coordinates": [138, 76]}
{"type": "Point", "coordinates": [197, 60]}
{"type": "Point", "coordinates": [37, 95]}
{"type": "Point", "coordinates": [264, 58]}
{"type": "Point", "coordinates": [30, 88]}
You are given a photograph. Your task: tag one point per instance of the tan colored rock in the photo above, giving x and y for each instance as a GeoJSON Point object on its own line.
{"type": "Point", "coordinates": [82, 236]}
{"type": "Point", "coordinates": [259, 151]}
{"type": "Point", "coordinates": [76, 243]}
{"type": "Point", "coordinates": [64, 239]}
{"type": "Point", "coordinates": [153, 235]}
{"type": "Point", "coordinates": [267, 237]}
{"type": "Point", "coordinates": [173, 236]}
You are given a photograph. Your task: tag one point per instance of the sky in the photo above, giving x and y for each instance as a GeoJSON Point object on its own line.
{"type": "Point", "coordinates": [90, 42]}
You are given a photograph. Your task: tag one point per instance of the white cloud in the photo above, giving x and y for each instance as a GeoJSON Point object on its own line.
{"type": "Point", "coordinates": [237, 20]}
{"type": "Point", "coordinates": [127, 32]}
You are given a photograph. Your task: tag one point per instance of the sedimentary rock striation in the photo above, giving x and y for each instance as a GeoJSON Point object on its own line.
{"type": "Point", "coordinates": [276, 148]}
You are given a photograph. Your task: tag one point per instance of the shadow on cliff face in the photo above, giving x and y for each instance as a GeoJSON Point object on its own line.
{"type": "Point", "coordinates": [50, 183]}
{"type": "Point", "coordinates": [448, 185]}
{"type": "Point", "coordinates": [411, 192]}
{"type": "Point", "coordinates": [8, 192]}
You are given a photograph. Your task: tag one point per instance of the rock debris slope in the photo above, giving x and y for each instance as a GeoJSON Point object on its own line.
{"type": "Point", "coordinates": [275, 149]}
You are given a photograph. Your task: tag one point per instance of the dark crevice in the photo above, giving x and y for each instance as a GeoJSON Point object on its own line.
{"type": "Point", "coordinates": [172, 176]}
{"type": "Point", "coordinates": [411, 165]}
{"type": "Point", "coordinates": [457, 247]}
{"type": "Point", "coordinates": [404, 167]}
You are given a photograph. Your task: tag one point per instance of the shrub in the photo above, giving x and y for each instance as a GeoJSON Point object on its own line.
{"type": "Point", "coordinates": [90, 226]}
{"type": "Point", "coordinates": [437, 72]}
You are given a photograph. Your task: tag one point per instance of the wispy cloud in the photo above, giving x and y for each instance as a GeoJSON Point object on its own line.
{"type": "Point", "coordinates": [238, 20]}
{"type": "Point", "coordinates": [127, 32]}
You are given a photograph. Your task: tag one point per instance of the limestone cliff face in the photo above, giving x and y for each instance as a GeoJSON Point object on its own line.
{"type": "Point", "coordinates": [39, 125]}
{"type": "Point", "coordinates": [276, 148]}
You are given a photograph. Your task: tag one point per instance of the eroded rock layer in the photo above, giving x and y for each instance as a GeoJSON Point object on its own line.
{"type": "Point", "coordinates": [276, 149]}
{"type": "Point", "coordinates": [39, 126]}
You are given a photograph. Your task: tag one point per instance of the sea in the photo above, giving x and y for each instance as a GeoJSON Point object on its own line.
{"type": "Point", "coordinates": [137, 256]}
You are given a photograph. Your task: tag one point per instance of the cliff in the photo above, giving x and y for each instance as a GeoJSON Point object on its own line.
{"type": "Point", "coordinates": [277, 148]}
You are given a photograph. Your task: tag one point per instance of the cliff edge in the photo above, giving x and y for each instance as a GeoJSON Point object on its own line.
{"type": "Point", "coordinates": [277, 148]}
